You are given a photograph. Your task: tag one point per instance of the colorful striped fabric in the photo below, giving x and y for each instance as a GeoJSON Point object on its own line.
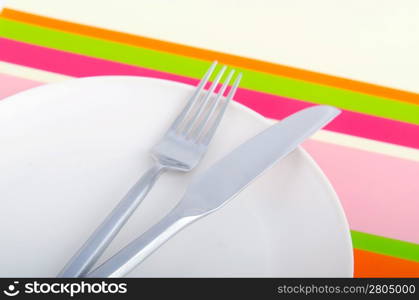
{"type": "Point", "coordinates": [370, 153]}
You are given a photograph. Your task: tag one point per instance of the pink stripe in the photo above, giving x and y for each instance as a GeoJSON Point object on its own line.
{"type": "Point", "coordinates": [11, 85]}
{"type": "Point", "coordinates": [379, 193]}
{"type": "Point", "coordinates": [379, 198]}
{"type": "Point", "coordinates": [271, 106]}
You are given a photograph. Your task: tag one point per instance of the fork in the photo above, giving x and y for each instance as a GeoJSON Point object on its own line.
{"type": "Point", "coordinates": [181, 149]}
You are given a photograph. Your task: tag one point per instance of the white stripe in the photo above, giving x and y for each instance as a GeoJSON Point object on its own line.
{"type": "Point", "coordinates": [323, 135]}
{"type": "Point", "coordinates": [364, 144]}
{"type": "Point", "coordinates": [30, 73]}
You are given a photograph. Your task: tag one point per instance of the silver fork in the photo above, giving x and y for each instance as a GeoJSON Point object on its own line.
{"type": "Point", "coordinates": [181, 148]}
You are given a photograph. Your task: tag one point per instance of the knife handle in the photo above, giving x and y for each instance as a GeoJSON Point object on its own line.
{"type": "Point", "coordinates": [97, 243]}
{"type": "Point", "coordinates": [139, 249]}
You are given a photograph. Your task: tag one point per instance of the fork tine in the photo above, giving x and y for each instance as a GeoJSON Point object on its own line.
{"type": "Point", "coordinates": [213, 107]}
{"type": "Point", "coordinates": [188, 128]}
{"type": "Point", "coordinates": [194, 97]}
{"type": "Point", "coordinates": [210, 133]}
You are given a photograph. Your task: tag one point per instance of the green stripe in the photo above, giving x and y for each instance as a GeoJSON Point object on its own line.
{"type": "Point", "coordinates": [192, 67]}
{"type": "Point", "coordinates": [386, 246]}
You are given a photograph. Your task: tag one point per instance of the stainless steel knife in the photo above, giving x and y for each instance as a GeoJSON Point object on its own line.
{"type": "Point", "coordinates": [213, 188]}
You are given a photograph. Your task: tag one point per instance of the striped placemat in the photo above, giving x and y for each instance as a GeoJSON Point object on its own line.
{"type": "Point", "coordinates": [370, 152]}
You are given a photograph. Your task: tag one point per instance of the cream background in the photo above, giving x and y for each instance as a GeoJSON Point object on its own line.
{"type": "Point", "coordinates": [370, 40]}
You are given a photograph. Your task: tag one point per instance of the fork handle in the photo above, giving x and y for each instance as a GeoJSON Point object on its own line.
{"type": "Point", "coordinates": [139, 249]}
{"type": "Point", "coordinates": [93, 248]}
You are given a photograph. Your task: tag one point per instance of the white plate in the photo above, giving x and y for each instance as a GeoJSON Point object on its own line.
{"type": "Point", "coordinates": [70, 151]}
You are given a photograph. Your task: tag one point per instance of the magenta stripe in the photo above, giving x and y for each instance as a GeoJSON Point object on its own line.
{"type": "Point", "coordinates": [271, 106]}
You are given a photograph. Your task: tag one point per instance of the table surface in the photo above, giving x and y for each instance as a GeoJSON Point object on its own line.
{"type": "Point", "coordinates": [370, 153]}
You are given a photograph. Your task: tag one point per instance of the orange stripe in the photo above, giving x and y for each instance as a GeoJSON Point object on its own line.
{"type": "Point", "coordinates": [369, 264]}
{"type": "Point", "coordinates": [198, 53]}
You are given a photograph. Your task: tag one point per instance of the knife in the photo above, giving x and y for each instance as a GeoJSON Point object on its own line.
{"type": "Point", "coordinates": [213, 188]}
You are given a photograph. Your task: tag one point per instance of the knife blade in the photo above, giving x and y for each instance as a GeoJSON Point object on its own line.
{"type": "Point", "coordinates": [213, 188]}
